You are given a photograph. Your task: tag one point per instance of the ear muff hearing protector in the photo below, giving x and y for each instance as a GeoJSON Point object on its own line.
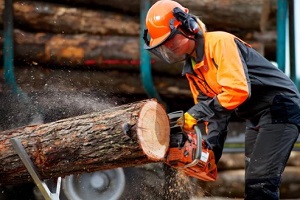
{"type": "Point", "coordinates": [190, 27]}
{"type": "Point", "coordinates": [188, 22]}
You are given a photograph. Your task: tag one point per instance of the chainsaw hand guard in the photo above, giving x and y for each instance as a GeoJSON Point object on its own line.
{"type": "Point", "coordinates": [189, 153]}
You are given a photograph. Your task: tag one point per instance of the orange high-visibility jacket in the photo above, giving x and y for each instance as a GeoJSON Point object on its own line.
{"type": "Point", "coordinates": [233, 76]}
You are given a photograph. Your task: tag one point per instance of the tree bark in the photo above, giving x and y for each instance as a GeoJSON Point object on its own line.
{"type": "Point", "coordinates": [233, 184]}
{"type": "Point", "coordinates": [216, 14]}
{"type": "Point", "coordinates": [49, 17]}
{"type": "Point", "coordinates": [84, 51]}
{"type": "Point", "coordinates": [128, 135]}
{"type": "Point", "coordinates": [89, 51]}
{"type": "Point", "coordinates": [80, 49]}
{"type": "Point", "coordinates": [41, 17]}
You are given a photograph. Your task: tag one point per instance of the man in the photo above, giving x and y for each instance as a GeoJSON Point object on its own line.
{"type": "Point", "coordinates": [225, 75]}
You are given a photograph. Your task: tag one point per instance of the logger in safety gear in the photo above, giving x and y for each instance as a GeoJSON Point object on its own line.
{"type": "Point", "coordinates": [226, 75]}
{"type": "Point", "coordinates": [163, 27]}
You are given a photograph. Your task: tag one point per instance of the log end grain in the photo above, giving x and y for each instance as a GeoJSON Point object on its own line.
{"type": "Point", "coordinates": [153, 131]}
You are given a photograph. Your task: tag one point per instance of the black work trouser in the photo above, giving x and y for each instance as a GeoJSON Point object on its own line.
{"type": "Point", "coordinates": [267, 150]}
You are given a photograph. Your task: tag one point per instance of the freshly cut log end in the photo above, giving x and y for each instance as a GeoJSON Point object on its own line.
{"type": "Point", "coordinates": [123, 136]}
{"type": "Point", "coordinates": [153, 131]}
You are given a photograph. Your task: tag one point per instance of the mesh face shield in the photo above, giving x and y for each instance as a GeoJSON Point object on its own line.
{"type": "Point", "coordinates": [168, 53]}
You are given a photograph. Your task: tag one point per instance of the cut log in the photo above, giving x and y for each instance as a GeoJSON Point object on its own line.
{"type": "Point", "coordinates": [80, 49]}
{"type": "Point", "coordinates": [84, 52]}
{"type": "Point", "coordinates": [128, 135]}
{"type": "Point", "coordinates": [48, 17]}
{"type": "Point", "coordinates": [294, 159]}
{"type": "Point", "coordinates": [237, 160]}
{"type": "Point", "coordinates": [87, 51]}
{"type": "Point", "coordinates": [217, 14]}
{"type": "Point", "coordinates": [233, 184]}
{"type": "Point", "coordinates": [230, 161]}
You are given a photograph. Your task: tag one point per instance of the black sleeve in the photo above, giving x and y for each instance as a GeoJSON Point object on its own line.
{"type": "Point", "coordinates": [217, 117]}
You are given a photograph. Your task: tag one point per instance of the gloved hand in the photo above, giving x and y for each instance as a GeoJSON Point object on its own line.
{"type": "Point", "coordinates": [188, 122]}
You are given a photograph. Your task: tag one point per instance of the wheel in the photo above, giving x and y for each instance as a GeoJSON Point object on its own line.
{"type": "Point", "coordinates": [107, 184]}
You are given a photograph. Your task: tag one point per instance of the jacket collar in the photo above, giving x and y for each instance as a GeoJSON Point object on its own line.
{"type": "Point", "coordinates": [199, 42]}
{"type": "Point", "coordinates": [188, 67]}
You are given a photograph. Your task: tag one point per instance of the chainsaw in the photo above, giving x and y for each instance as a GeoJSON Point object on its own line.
{"type": "Point", "coordinates": [188, 152]}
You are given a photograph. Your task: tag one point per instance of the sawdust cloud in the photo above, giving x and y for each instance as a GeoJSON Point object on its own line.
{"type": "Point", "coordinates": [62, 105]}
{"type": "Point", "coordinates": [49, 105]}
{"type": "Point", "coordinates": [180, 186]}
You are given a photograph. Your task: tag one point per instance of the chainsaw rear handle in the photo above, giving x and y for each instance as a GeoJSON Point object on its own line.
{"type": "Point", "coordinates": [199, 142]}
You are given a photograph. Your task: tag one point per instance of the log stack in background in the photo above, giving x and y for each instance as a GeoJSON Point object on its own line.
{"type": "Point", "coordinates": [231, 177]}
{"type": "Point", "coordinates": [84, 33]}
{"type": "Point", "coordinates": [104, 35]}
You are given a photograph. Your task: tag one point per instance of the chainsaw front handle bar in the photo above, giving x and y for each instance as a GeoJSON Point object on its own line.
{"type": "Point", "coordinates": [199, 142]}
{"type": "Point", "coordinates": [173, 117]}
{"type": "Point", "coordinates": [199, 147]}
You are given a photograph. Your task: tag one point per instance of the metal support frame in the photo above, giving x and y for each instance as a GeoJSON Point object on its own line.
{"type": "Point", "coordinates": [34, 173]}
{"type": "Point", "coordinates": [8, 47]}
{"type": "Point", "coordinates": [282, 13]}
{"type": "Point", "coordinates": [296, 29]}
{"type": "Point", "coordinates": [145, 58]}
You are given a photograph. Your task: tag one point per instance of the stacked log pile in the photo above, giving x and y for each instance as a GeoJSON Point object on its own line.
{"type": "Point", "coordinates": [231, 177]}
{"type": "Point", "coordinates": [59, 21]}
{"type": "Point", "coordinates": [104, 35]}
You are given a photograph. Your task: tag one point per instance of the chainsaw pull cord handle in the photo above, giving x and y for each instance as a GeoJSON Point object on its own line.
{"type": "Point", "coordinates": [199, 142]}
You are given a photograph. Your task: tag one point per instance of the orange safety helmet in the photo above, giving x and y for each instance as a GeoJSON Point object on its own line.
{"type": "Point", "coordinates": [158, 21]}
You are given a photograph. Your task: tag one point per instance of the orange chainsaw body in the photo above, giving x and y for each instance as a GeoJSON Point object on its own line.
{"type": "Point", "coordinates": [189, 154]}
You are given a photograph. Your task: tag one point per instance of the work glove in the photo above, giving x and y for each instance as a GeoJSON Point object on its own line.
{"type": "Point", "coordinates": [188, 122]}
